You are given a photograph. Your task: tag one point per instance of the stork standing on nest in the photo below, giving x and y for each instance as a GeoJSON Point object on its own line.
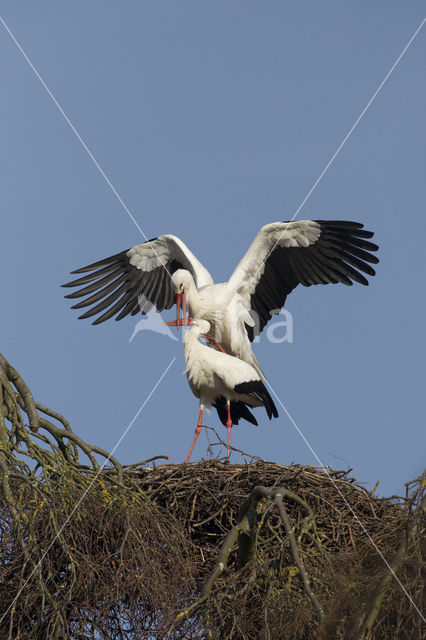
{"type": "Point", "coordinates": [222, 381]}
{"type": "Point", "coordinates": [282, 256]}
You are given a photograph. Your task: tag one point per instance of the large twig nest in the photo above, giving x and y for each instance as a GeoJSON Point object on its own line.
{"type": "Point", "coordinates": [207, 550]}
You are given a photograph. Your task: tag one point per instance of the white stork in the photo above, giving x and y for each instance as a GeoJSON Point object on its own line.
{"type": "Point", "coordinates": [282, 255]}
{"type": "Point", "coordinates": [222, 381]}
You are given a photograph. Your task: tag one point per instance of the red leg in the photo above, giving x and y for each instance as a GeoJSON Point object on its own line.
{"type": "Point", "coordinates": [229, 426]}
{"type": "Point", "coordinates": [197, 431]}
{"type": "Point", "coordinates": [218, 345]}
{"type": "Point", "coordinates": [215, 342]}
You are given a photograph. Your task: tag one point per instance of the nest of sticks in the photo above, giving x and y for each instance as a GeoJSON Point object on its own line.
{"type": "Point", "coordinates": [291, 551]}
{"type": "Point", "coordinates": [204, 550]}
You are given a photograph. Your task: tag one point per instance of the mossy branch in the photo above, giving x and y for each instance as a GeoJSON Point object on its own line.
{"type": "Point", "coordinates": [244, 533]}
{"type": "Point", "coordinates": [88, 550]}
{"type": "Point", "coordinates": [414, 532]}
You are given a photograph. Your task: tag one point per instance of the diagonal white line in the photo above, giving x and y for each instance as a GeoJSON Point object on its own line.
{"type": "Point", "coordinates": [88, 488]}
{"type": "Point", "coordinates": [348, 504]}
{"type": "Point", "coordinates": [361, 115]}
{"type": "Point", "coordinates": [345, 139]}
{"type": "Point", "coordinates": [83, 144]}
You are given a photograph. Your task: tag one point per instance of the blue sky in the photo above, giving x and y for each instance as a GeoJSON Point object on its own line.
{"type": "Point", "coordinates": [212, 119]}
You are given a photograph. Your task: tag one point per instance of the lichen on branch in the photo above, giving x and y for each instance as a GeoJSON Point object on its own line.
{"type": "Point", "coordinates": [91, 548]}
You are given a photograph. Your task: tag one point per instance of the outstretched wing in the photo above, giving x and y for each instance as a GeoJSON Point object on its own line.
{"type": "Point", "coordinates": [135, 280]}
{"type": "Point", "coordinates": [285, 254]}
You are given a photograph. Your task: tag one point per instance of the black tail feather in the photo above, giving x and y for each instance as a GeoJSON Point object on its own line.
{"type": "Point", "coordinates": [238, 410]}
{"type": "Point", "coordinates": [257, 390]}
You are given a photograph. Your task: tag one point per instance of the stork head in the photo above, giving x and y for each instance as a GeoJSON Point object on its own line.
{"type": "Point", "coordinates": [203, 326]}
{"type": "Point", "coordinates": [182, 281]}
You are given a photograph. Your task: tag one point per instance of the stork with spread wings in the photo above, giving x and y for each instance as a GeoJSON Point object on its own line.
{"type": "Point", "coordinates": [163, 271]}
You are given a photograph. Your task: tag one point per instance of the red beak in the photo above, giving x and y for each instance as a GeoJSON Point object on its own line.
{"type": "Point", "coordinates": [179, 322]}
{"type": "Point", "coordinates": [178, 303]}
{"type": "Point", "coordinates": [173, 323]}
{"type": "Point", "coordinates": [184, 309]}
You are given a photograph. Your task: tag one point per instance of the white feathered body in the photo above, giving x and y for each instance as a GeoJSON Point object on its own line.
{"type": "Point", "coordinates": [212, 374]}
{"type": "Point", "coordinates": [227, 315]}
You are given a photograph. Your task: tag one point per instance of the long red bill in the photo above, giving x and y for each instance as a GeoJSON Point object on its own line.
{"type": "Point", "coordinates": [173, 323]}
{"type": "Point", "coordinates": [178, 303]}
{"type": "Point", "coordinates": [184, 309]}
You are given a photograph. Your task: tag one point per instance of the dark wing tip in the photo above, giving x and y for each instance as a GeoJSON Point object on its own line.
{"type": "Point", "coordinates": [102, 263]}
{"type": "Point", "coordinates": [104, 281]}
{"type": "Point", "coordinates": [346, 226]}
